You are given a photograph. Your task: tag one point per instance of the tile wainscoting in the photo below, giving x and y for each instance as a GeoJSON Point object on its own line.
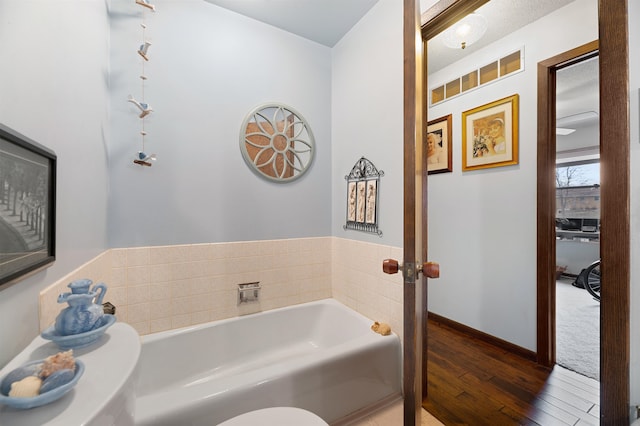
{"type": "Point", "coordinates": [167, 287]}
{"type": "Point", "coordinates": [358, 281]}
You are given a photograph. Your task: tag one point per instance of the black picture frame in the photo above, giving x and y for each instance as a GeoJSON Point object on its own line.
{"type": "Point", "coordinates": [363, 187]}
{"type": "Point", "coordinates": [27, 206]}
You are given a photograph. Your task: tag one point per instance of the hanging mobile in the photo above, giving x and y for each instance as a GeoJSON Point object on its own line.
{"type": "Point", "coordinates": [145, 109]}
{"type": "Point", "coordinates": [146, 4]}
{"type": "Point", "coordinates": [142, 158]}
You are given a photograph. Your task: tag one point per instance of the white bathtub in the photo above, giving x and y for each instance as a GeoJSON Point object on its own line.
{"type": "Point", "coordinates": [319, 356]}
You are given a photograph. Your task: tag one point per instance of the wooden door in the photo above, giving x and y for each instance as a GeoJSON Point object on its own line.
{"type": "Point", "coordinates": [414, 230]}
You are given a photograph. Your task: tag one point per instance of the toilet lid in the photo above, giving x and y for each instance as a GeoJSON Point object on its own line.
{"type": "Point", "coordinates": [276, 416]}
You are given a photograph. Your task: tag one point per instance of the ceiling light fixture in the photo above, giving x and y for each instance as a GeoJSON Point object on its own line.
{"type": "Point", "coordinates": [465, 32]}
{"type": "Point", "coordinates": [580, 119]}
{"type": "Point", "coordinates": [562, 131]}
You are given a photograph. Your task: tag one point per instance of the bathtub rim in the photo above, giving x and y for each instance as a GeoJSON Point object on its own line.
{"type": "Point", "coordinates": [151, 337]}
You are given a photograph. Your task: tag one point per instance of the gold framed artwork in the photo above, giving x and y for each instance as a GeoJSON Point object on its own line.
{"type": "Point", "coordinates": [438, 143]}
{"type": "Point", "coordinates": [490, 135]}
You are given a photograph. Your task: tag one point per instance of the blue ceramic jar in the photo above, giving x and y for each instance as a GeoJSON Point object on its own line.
{"type": "Point", "coordinates": [84, 312]}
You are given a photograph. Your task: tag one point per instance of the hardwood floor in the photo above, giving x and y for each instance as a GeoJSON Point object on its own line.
{"type": "Point", "coordinates": [474, 383]}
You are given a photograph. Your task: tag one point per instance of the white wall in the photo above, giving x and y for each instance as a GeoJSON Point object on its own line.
{"type": "Point", "coordinates": [208, 68]}
{"type": "Point", "coordinates": [576, 255]}
{"type": "Point", "coordinates": [634, 86]}
{"type": "Point", "coordinates": [367, 120]}
{"type": "Point", "coordinates": [54, 90]}
{"type": "Point", "coordinates": [367, 111]}
{"type": "Point", "coordinates": [426, 4]}
{"type": "Point", "coordinates": [482, 223]}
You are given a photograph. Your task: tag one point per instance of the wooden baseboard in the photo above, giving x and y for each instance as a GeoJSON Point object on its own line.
{"type": "Point", "coordinates": [482, 336]}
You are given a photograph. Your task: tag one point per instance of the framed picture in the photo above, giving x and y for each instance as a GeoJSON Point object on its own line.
{"type": "Point", "coordinates": [27, 205]}
{"type": "Point", "coordinates": [490, 135]}
{"type": "Point", "coordinates": [438, 147]}
{"type": "Point", "coordinates": [363, 187]}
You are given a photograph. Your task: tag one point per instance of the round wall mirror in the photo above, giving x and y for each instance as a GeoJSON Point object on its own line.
{"type": "Point", "coordinates": [276, 142]}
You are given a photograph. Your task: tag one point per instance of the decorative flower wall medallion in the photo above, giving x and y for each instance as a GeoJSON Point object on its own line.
{"type": "Point", "coordinates": [276, 142]}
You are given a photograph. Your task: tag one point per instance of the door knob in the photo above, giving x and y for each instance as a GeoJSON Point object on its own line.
{"type": "Point", "coordinates": [429, 269]}
{"type": "Point", "coordinates": [390, 266]}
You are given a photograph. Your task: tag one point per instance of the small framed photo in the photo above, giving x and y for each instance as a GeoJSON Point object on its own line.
{"type": "Point", "coordinates": [351, 201]}
{"type": "Point", "coordinates": [372, 196]}
{"type": "Point", "coordinates": [490, 135]}
{"type": "Point", "coordinates": [360, 206]}
{"type": "Point", "coordinates": [438, 145]}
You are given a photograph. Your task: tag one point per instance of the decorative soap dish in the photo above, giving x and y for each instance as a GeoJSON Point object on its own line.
{"type": "Point", "coordinates": [80, 340]}
{"type": "Point", "coordinates": [47, 397]}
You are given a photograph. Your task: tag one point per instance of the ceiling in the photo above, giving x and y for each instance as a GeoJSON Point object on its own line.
{"type": "Point", "coordinates": [578, 106]}
{"type": "Point", "coordinates": [327, 21]}
{"type": "Point", "coordinates": [322, 21]}
{"type": "Point", "coordinates": [577, 93]}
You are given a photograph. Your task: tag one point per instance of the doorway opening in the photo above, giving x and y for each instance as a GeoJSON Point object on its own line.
{"type": "Point", "coordinates": [577, 215]}
{"type": "Point", "coordinates": [577, 247]}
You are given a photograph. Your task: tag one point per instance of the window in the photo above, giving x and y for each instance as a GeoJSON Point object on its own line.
{"type": "Point", "coordinates": [578, 198]}
{"type": "Point", "coordinates": [578, 174]}
{"type": "Point", "coordinates": [499, 68]}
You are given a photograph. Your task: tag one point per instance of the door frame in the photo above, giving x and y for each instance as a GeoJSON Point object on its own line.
{"type": "Point", "coordinates": [546, 197]}
{"type": "Point", "coordinates": [614, 207]}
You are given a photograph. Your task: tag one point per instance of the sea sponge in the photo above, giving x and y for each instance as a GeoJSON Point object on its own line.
{"type": "Point", "coordinates": [59, 361]}
{"type": "Point", "coordinates": [381, 328]}
{"type": "Point", "coordinates": [26, 388]}
{"type": "Point", "coordinates": [57, 379]}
